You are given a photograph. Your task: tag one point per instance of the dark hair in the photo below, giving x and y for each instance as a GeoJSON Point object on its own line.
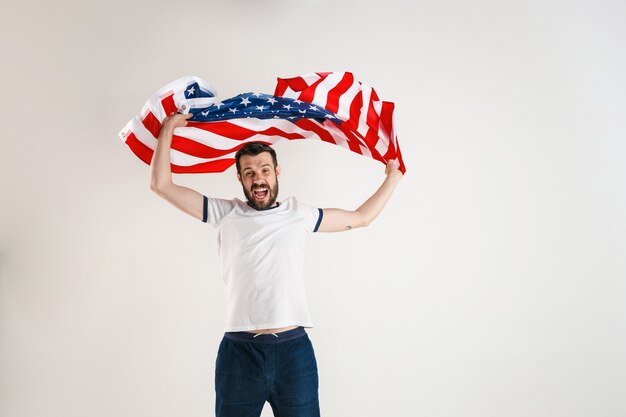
{"type": "Point", "coordinates": [253, 149]}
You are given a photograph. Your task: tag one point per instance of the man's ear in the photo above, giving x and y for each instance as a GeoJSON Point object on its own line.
{"type": "Point", "coordinates": [239, 177]}
{"type": "Point", "coordinates": [277, 170]}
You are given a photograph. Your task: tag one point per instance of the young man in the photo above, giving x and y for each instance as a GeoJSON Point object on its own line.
{"type": "Point", "coordinates": [265, 354]}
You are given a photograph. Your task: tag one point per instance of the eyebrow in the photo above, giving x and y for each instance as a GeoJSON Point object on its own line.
{"type": "Point", "coordinates": [262, 166]}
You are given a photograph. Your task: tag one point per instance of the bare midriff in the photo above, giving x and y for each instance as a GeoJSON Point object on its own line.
{"type": "Point", "coordinates": [276, 330]}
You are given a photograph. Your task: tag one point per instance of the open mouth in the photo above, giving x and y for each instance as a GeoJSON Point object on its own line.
{"type": "Point", "coordinates": [260, 193]}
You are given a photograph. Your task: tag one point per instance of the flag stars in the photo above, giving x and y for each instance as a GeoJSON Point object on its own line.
{"type": "Point", "coordinates": [233, 111]}
{"type": "Point", "coordinates": [287, 106]}
{"type": "Point", "coordinates": [191, 91]}
{"type": "Point", "coordinates": [298, 101]}
{"type": "Point", "coordinates": [245, 101]}
{"type": "Point", "coordinates": [313, 108]}
{"type": "Point", "coordinates": [271, 100]}
{"type": "Point", "coordinates": [260, 108]}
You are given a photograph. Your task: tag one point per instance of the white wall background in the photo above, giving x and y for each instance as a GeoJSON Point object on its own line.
{"type": "Point", "coordinates": [494, 283]}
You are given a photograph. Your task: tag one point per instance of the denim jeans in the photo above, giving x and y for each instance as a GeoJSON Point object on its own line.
{"type": "Point", "coordinates": [280, 369]}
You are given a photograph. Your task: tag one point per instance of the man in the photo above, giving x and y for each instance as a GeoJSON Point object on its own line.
{"type": "Point", "coordinates": [265, 354]}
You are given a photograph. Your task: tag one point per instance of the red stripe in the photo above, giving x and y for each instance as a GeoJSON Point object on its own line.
{"type": "Point", "coordinates": [236, 132]}
{"type": "Point", "coordinates": [310, 126]}
{"type": "Point", "coordinates": [168, 104]}
{"type": "Point", "coordinates": [281, 87]}
{"type": "Point", "coordinates": [145, 154]}
{"type": "Point", "coordinates": [151, 123]}
{"type": "Point", "coordinates": [402, 168]}
{"type": "Point", "coordinates": [142, 151]}
{"type": "Point", "coordinates": [371, 138]}
{"type": "Point", "coordinates": [225, 129]}
{"type": "Point", "coordinates": [372, 116]}
{"type": "Point", "coordinates": [386, 117]}
{"type": "Point", "coordinates": [354, 142]}
{"type": "Point", "coordinates": [220, 165]}
{"type": "Point", "coordinates": [332, 103]}
{"type": "Point", "coordinates": [296, 84]}
{"type": "Point", "coordinates": [386, 114]}
{"type": "Point", "coordinates": [197, 149]}
{"type": "Point", "coordinates": [391, 153]}
{"type": "Point", "coordinates": [375, 154]}
{"type": "Point", "coordinates": [309, 92]}
{"type": "Point", "coordinates": [192, 148]}
{"type": "Point", "coordinates": [274, 131]}
{"type": "Point", "coordinates": [355, 110]}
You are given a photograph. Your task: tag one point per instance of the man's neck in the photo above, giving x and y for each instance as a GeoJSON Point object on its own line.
{"type": "Point", "coordinates": [276, 204]}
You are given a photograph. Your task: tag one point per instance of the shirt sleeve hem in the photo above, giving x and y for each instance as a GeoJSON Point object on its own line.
{"type": "Point", "coordinates": [205, 209]}
{"type": "Point", "coordinates": [319, 220]}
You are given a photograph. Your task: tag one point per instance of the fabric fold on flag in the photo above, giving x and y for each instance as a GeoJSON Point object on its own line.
{"type": "Point", "coordinates": [329, 106]}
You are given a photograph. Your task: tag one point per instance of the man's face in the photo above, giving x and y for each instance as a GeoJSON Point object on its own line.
{"type": "Point", "coordinates": [259, 180]}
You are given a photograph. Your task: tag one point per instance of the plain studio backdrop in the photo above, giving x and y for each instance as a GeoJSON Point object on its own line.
{"type": "Point", "coordinates": [493, 284]}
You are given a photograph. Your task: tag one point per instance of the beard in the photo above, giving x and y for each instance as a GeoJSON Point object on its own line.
{"type": "Point", "coordinates": [273, 194]}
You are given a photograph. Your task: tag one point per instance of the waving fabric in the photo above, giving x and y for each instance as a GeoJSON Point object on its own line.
{"type": "Point", "coordinates": [330, 106]}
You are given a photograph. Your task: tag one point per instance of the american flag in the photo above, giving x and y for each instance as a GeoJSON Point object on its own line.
{"type": "Point", "coordinates": [329, 106]}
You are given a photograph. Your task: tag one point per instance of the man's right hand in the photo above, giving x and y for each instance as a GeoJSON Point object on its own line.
{"type": "Point", "coordinates": [175, 120]}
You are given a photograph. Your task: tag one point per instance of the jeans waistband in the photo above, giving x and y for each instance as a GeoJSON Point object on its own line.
{"type": "Point", "coordinates": [266, 338]}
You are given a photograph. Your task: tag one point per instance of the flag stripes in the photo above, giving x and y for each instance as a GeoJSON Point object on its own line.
{"type": "Point", "coordinates": [332, 107]}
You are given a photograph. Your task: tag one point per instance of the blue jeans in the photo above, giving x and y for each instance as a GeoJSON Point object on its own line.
{"type": "Point", "coordinates": [278, 368]}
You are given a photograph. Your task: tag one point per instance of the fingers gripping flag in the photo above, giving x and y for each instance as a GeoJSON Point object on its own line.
{"type": "Point", "coordinates": [331, 106]}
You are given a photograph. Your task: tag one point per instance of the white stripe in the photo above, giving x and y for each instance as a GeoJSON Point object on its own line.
{"type": "Point", "coordinates": [383, 140]}
{"type": "Point", "coordinates": [180, 85]}
{"type": "Point", "coordinates": [254, 123]}
{"type": "Point", "coordinates": [289, 93]}
{"type": "Point", "coordinates": [363, 128]}
{"type": "Point", "coordinates": [142, 134]}
{"type": "Point", "coordinates": [346, 101]}
{"type": "Point", "coordinates": [340, 138]}
{"type": "Point", "coordinates": [365, 151]}
{"type": "Point", "coordinates": [382, 145]}
{"type": "Point", "coordinates": [198, 103]}
{"type": "Point", "coordinates": [321, 92]}
{"type": "Point", "coordinates": [154, 106]}
{"type": "Point", "coordinates": [378, 106]}
{"type": "Point", "coordinates": [310, 78]}
{"type": "Point", "coordinates": [185, 160]}
{"type": "Point", "coordinates": [226, 142]}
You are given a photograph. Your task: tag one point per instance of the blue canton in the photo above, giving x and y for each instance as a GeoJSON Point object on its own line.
{"type": "Point", "coordinates": [257, 105]}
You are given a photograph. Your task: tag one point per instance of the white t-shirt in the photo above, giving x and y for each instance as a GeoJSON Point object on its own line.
{"type": "Point", "coordinates": [262, 257]}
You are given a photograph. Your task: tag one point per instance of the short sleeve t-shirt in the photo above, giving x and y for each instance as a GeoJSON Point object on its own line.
{"type": "Point", "coordinates": [262, 259]}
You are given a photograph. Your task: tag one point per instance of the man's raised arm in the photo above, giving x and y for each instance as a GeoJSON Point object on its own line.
{"type": "Point", "coordinates": [337, 220]}
{"type": "Point", "coordinates": [186, 199]}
